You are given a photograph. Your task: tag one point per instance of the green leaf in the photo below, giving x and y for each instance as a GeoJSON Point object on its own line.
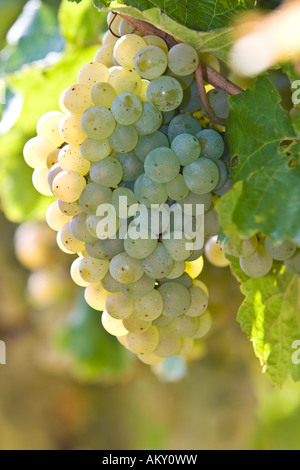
{"type": "Point", "coordinates": [164, 16]}
{"type": "Point", "coordinates": [80, 24]}
{"type": "Point", "coordinates": [270, 316]}
{"type": "Point", "coordinates": [95, 355]}
{"type": "Point", "coordinates": [200, 16]}
{"type": "Point", "coordinates": [266, 167]}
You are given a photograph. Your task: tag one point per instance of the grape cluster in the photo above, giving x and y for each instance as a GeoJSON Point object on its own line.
{"type": "Point", "coordinates": [126, 129]}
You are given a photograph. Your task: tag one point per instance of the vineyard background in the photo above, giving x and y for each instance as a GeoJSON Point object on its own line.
{"type": "Point", "coordinates": [68, 384]}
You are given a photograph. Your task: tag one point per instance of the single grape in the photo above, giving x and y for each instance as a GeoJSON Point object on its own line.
{"type": "Point", "coordinates": [150, 121]}
{"type": "Point", "coordinates": [178, 270]}
{"type": "Point", "coordinates": [125, 80]}
{"type": "Point", "coordinates": [127, 108]}
{"type": "Point", "coordinates": [55, 218]}
{"type": "Point", "coordinates": [150, 142]}
{"type": "Point", "coordinates": [138, 289]}
{"type": "Point", "coordinates": [144, 343]}
{"type": "Point", "coordinates": [212, 144]}
{"type": "Point", "coordinates": [176, 299]}
{"type": "Point", "coordinates": [185, 326]}
{"type": "Point", "coordinates": [95, 150]}
{"type": "Point", "coordinates": [212, 225]}
{"type": "Point", "coordinates": [107, 172]}
{"type": "Point", "coordinates": [169, 343]}
{"type": "Point", "coordinates": [187, 148]}
{"type": "Point", "coordinates": [36, 152]}
{"type": "Point", "coordinates": [165, 93]}
{"type": "Point", "coordinates": [126, 49]}
{"type": "Point", "coordinates": [98, 123]}
{"type": "Point", "coordinates": [177, 188]}
{"type": "Point", "coordinates": [176, 244]}
{"type": "Point", "coordinates": [78, 228]}
{"type": "Point", "coordinates": [70, 159]}
{"type": "Point", "coordinates": [112, 325]}
{"type": "Point", "coordinates": [183, 124]}
{"type": "Point", "coordinates": [191, 102]}
{"type": "Point", "coordinates": [218, 102]}
{"type": "Point", "coordinates": [124, 139]}
{"type": "Point", "coordinates": [153, 40]}
{"type": "Point", "coordinates": [92, 270]}
{"type": "Point", "coordinates": [215, 254]}
{"type": "Point", "coordinates": [69, 208]}
{"type": "Point", "coordinates": [140, 248]}
{"type": "Point", "coordinates": [126, 269]}
{"type": "Point", "coordinates": [202, 176]}
{"type": "Point", "coordinates": [110, 284]}
{"type": "Point", "coordinates": [113, 246]}
{"type": "Point", "coordinates": [75, 275]}
{"type": "Point", "coordinates": [118, 306]}
{"type": "Point", "coordinates": [67, 242]}
{"type": "Point", "coordinates": [93, 196]}
{"type": "Point", "coordinates": [293, 264]}
{"type": "Point", "coordinates": [96, 250]}
{"type": "Point", "coordinates": [151, 62]}
{"type": "Point", "coordinates": [257, 265]}
{"type": "Point", "coordinates": [77, 98]}
{"type": "Point", "coordinates": [93, 73]}
{"type": "Point", "coordinates": [149, 192]}
{"type": "Point", "coordinates": [282, 251]}
{"type": "Point", "coordinates": [159, 264]}
{"type": "Point", "coordinates": [132, 166]}
{"type": "Point", "coordinates": [48, 127]}
{"type": "Point", "coordinates": [40, 181]}
{"type": "Point", "coordinates": [134, 324]}
{"type": "Point", "coordinates": [104, 55]}
{"type": "Point", "coordinates": [162, 165]}
{"type": "Point", "coordinates": [150, 306]}
{"type": "Point", "coordinates": [205, 325]}
{"type": "Point", "coordinates": [68, 186]}
{"type": "Point", "coordinates": [103, 94]}
{"type": "Point", "coordinates": [183, 59]}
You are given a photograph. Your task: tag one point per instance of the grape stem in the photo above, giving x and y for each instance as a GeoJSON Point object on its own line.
{"type": "Point", "coordinates": [202, 94]}
{"type": "Point", "coordinates": [210, 75]}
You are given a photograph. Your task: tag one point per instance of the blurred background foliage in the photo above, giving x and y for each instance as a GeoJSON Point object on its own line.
{"type": "Point", "coordinates": [67, 383]}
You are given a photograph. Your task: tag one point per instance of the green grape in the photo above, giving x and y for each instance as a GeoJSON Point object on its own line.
{"type": "Point", "coordinates": [162, 321]}
{"type": "Point", "coordinates": [190, 202]}
{"type": "Point", "coordinates": [114, 246]}
{"type": "Point", "coordinates": [48, 127]}
{"type": "Point", "coordinates": [77, 98]}
{"type": "Point", "coordinates": [212, 144]}
{"type": "Point", "coordinates": [124, 139]}
{"type": "Point", "coordinates": [150, 121]}
{"type": "Point", "coordinates": [191, 102]}
{"type": "Point", "coordinates": [70, 159]}
{"type": "Point", "coordinates": [150, 142]}
{"type": "Point", "coordinates": [138, 289]}
{"type": "Point", "coordinates": [127, 108]}
{"type": "Point", "coordinates": [112, 325]}
{"type": "Point", "coordinates": [223, 174]}
{"type": "Point", "coordinates": [149, 192]}
{"type": "Point", "coordinates": [107, 172]}
{"type": "Point", "coordinates": [108, 39]}
{"type": "Point", "coordinates": [96, 250]}
{"type": "Point", "coordinates": [176, 298]}
{"type": "Point", "coordinates": [103, 94]}
{"type": "Point", "coordinates": [165, 93]}
{"type": "Point", "coordinates": [144, 343]}
{"type": "Point", "coordinates": [159, 264]}
{"type": "Point", "coordinates": [153, 40]}
{"type": "Point", "coordinates": [116, 201]}
{"type": "Point", "coordinates": [143, 91]}
{"type": "Point", "coordinates": [151, 62]}
{"type": "Point", "coordinates": [75, 274]}
{"type": "Point", "coordinates": [98, 123]}
{"type": "Point", "coordinates": [55, 218]}
{"type": "Point", "coordinates": [93, 196]}
{"type": "Point", "coordinates": [282, 251]}
{"type": "Point", "coordinates": [185, 82]}
{"type": "Point", "coordinates": [40, 181]}
{"type": "Point", "coordinates": [67, 242]}
{"type": "Point", "coordinates": [150, 306]}
{"type": "Point", "coordinates": [36, 152]}
{"type": "Point", "coordinates": [202, 176]}
{"type": "Point", "coordinates": [91, 224]}
{"type": "Point", "coordinates": [95, 150]}
{"type": "Point", "coordinates": [176, 244]}
{"type": "Point", "coordinates": [126, 269]}
{"type": "Point", "coordinates": [96, 297]}
{"type": "Point", "coordinates": [52, 173]}
{"type": "Point", "coordinates": [199, 302]}
{"type": "Point", "coordinates": [125, 80]}
{"type": "Point", "coordinates": [257, 265]}
{"type": "Point", "coordinates": [52, 158]}
{"type": "Point", "coordinates": [125, 28]}
{"type": "Point", "coordinates": [178, 270]}
{"type": "Point", "coordinates": [78, 228]}
{"type": "Point", "coordinates": [185, 280]}
{"type": "Point", "coordinates": [132, 166]}
{"type": "Point", "coordinates": [187, 148]}
{"type": "Point", "coordinates": [168, 116]}
{"type": "Point", "coordinates": [185, 326]}
{"type": "Point", "coordinates": [118, 306]}
{"type": "Point", "coordinates": [177, 188]}
{"type": "Point", "coordinates": [183, 59]}
{"type": "Point", "coordinates": [218, 102]}
{"type": "Point", "coordinates": [215, 254]}
{"type": "Point", "coordinates": [93, 73]}
{"type": "Point", "coordinates": [162, 165]}
{"type": "Point", "coordinates": [126, 49]}
{"type": "Point", "coordinates": [183, 124]}
{"type": "Point", "coordinates": [169, 344]}
{"type": "Point", "coordinates": [70, 129]}
{"type": "Point", "coordinates": [212, 225]}
{"type": "Point", "coordinates": [293, 264]}
{"type": "Point", "coordinates": [104, 55]}
{"type": "Point", "coordinates": [205, 323]}
{"type": "Point", "coordinates": [68, 186]}
{"type": "Point", "coordinates": [140, 248]}
{"type": "Point", "coordinates": [69, 208]}
{"type": "Point", "coordinates": [110, 284]}
{"type": "Point", "coordinates": [93, 270]}
{"type": "Point", "coordinates": [134, 324]}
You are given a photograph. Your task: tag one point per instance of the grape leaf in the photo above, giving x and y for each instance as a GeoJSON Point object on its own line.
{"type": "Point", "coordinates": [270, 316]}
{"type": "Point", "coordinates": [200, 16]}
{"type": "Point", "coordinates": [266, 167]}
{"type": "Point", "coordinates": [214, 42]}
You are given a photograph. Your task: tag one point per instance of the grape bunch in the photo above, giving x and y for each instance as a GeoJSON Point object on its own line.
{"type": "Point", "coordinates": [127, 129]}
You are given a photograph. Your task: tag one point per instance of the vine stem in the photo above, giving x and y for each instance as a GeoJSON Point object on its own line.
{"type": "Point", "coordinates": [202, 94]}
{"type": "Point", "coordinates": [210, 75]}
